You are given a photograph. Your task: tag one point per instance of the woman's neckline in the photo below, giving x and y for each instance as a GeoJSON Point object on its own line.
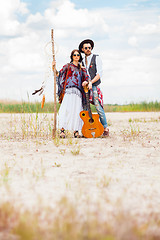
{"type": "Point", "coordinates": [74, 64]}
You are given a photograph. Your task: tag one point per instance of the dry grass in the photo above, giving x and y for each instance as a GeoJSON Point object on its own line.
{"type": "Point", "coordinates": [9, 106]}
{"type": "Point", "coordinates": [65, 222]}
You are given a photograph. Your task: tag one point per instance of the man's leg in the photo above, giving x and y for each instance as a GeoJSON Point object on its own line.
{"type": "Point", "coordinates": [100, 111]}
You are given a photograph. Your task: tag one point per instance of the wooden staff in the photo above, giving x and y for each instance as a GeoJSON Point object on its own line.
{"type": "Point", "coordinates": [55, 103]}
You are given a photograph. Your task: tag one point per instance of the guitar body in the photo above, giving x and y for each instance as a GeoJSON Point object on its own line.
{"type": "Point", "coordinates": [92, 127]}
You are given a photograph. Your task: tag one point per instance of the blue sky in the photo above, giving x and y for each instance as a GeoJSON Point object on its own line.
{"type": "Point", "coordinates": [126, 35]}
{"type": "Point", "coordinates": [37, 5]}
{"type": "Point", "coordinates": [40, 5]}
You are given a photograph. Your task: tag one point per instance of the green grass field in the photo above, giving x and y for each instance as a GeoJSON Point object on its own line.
{"type": "Point", "coordinates": [26, 107]}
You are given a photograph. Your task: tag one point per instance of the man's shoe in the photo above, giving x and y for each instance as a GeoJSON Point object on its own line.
{"type": "Point", "coordinates": [106, 133]}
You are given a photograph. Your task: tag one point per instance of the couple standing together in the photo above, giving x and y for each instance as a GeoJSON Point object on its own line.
{"type": "Point", "coordinates": [73, 77]}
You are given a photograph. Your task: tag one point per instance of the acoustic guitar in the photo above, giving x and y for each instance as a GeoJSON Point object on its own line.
{"type": "Point", "coordinates": [92, 127]}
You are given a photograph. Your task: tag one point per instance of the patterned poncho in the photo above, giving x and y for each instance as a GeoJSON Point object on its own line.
{"type": "Point", "coordinates": [75, 79]}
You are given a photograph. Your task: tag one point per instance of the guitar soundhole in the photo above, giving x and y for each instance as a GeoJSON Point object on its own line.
{"type": "Point", "coordinates": [91, 120]}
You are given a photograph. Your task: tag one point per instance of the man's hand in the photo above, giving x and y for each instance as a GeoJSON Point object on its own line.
{"type": "Point", "coordinates": [90, 85]}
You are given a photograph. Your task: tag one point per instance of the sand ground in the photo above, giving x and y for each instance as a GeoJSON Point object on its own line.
{"type": "Point", "coordinates": [117, 173]}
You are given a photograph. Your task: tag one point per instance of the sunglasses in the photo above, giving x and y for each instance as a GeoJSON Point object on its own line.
{"type": "Point", "coordinates": [76, 55]}
{"type": "Point", "coordinates": [87, 48]}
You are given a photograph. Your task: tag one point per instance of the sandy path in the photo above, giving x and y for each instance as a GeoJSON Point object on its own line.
{"type": "Point", "coordinates": [118, 173]}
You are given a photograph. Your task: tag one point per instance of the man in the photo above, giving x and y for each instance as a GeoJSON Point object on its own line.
{"type": "Point", "coordinates": [93, 65]}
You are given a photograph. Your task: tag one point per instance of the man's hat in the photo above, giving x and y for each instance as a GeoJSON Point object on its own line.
{"type": "Point", "coordinates": [86, 41]}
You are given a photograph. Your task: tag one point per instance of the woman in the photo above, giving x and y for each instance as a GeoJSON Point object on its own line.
{"type": "Point", "coordinates": [71, 106]}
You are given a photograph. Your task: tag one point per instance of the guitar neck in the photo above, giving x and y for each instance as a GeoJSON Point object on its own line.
{"type": "Point", "coordinates": [88, 105]}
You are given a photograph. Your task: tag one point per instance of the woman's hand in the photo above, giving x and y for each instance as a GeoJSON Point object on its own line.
{"type": "Point", "coordinates": [53, 66]}
{"type": "Point", "coordinates": [88, 84]}
{"type": "Point", "coordinates": [84, 83]}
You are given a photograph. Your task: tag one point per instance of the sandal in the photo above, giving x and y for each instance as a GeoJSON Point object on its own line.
{"type": "Point", "coordinates": [62, 133]}
{"type": "Point", "coordinates": [76, 134]}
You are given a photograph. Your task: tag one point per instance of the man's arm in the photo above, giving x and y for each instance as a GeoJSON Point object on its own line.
{"type": "Point", "coordinates": [96, 78]}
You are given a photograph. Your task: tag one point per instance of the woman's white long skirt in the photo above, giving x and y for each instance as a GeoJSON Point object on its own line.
{"type": "Point", "coordinates": [68, 115]}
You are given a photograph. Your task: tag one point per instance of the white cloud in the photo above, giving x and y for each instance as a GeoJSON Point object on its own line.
{"type": "Point", "coordinates": [148, 29]}
{"type": "Point", "coordinates": [22, 8]}
{"type": "Point", "coordinates": [132, 41]}
{"type": "Point", "coordinates": [80, 22]}
{"type": "Point", "coordinates": [9, 24]}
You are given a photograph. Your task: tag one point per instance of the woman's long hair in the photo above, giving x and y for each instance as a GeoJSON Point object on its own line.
{"type": "Point", "coordinates": [80, 60]}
